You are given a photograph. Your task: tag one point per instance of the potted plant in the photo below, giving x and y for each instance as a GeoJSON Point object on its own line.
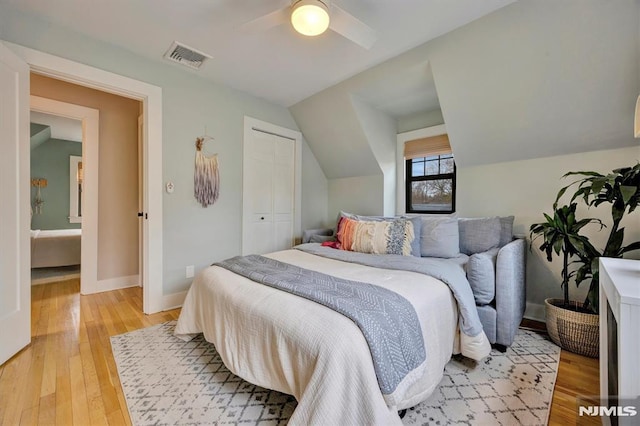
{"type": "Point", "coordinates": [569, 325]}
{"type": "Point", "coordinates": [572, 325]}
{"type": "Point", "coordinates": [620, 189]}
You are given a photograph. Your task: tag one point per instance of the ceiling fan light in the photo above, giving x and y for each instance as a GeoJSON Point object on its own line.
{"type": "Point", "coordinates": [310, 17]}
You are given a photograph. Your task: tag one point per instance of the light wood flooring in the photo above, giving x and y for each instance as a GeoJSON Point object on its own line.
{"type": "Point", "coordinates": [67, 375]}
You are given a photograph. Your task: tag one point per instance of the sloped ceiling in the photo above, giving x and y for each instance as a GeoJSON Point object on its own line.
{"type": "Point", "coordinates": [539, 79]}
{"type": "Point", "coordinates": [40, 133]}
{"type": "Point", "coordinates": [333, 131]}
{"type": "Point", "coordinates": [531, 80]}
{"type": "Point", "coordinates": [61, 127]}
{"type": "Point", "coordinates": [334, 125]}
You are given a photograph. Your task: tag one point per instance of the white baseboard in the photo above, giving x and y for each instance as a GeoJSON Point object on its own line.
{"type": "Point", "coordinates": [535, 311]}
{"type": "Point", "coordinates": [174, 300]}
{"type": "Point", "coordinates": [114, 284]}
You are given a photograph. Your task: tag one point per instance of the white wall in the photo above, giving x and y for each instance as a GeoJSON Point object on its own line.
{"type": "Point", "coordinates": [192, 235]}
{"type": "Point", "coordinates": [528, 188]}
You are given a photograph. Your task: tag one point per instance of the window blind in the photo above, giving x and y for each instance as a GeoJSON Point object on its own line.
{"type": "Point", "coordinates": [425, 147]}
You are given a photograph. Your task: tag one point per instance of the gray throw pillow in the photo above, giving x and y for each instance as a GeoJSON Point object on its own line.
{"type": "Point", "coordinates": [506, 230]}
{"type": "Point", "coordinates": [321, 238]}
{"type": "Point", "coordinates": [481, 273]}
{"type": "Point", "coordinates": [439, 237]}
{"type": "Point", "coordinates": [479, 234]}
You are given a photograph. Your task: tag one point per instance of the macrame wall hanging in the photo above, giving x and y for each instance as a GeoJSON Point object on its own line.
{"type": "Point", "coordinates": [207, 177]}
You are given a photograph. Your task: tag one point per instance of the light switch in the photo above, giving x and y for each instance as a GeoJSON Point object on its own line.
{"type": "Point", "coordinates": [170, 187]}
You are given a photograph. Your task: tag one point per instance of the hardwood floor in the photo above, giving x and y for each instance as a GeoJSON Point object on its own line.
{"type": "Point", "coordinates": [67, 375]}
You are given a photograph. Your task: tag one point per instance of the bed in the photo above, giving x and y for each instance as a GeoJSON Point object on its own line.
{"type": "Point", "coordinates": [284, 342]}
{"type": "Point", "coordinates": [53, 248]}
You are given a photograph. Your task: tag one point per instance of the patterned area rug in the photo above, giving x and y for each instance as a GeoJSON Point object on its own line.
{"type": "Point", "coordinates": [167, 381]}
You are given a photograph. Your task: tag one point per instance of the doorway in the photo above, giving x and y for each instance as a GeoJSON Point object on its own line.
{"type": "Point", "coordinates": [89, 238]}
{"type": "Point", "coordinates": [151, 98]}
{"type": "Point", "coordinates": [56, 175]}
{"type": "Point", "coordinates": [111, 180]}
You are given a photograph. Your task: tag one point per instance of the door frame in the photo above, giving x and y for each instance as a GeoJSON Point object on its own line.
{"type": "Point", "coordinates": [90, 144]}
{"type": "Point", "coordinates": [250, 124]}
{"type": "Point", "coordinates": [151, 98]}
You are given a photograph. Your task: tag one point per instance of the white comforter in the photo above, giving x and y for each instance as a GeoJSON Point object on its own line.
{"type": "Point", "coordinates": [290, 344]}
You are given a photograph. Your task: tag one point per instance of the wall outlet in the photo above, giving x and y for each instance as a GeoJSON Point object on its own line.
{"type": "Point", "coordinates": [190, 271]}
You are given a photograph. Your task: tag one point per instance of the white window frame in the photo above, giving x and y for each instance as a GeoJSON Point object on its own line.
{"type": "Point", "coordinates": [74, 206]}
{"type": "Point", "coordinates": [401, 139]}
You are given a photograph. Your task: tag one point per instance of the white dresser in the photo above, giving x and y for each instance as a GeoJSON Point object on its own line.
{"type": "Point", "coordinates": [620, 332]}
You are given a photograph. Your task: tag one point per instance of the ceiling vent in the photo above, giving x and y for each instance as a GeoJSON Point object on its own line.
{"type": "Point", "coordinates": [186, 55]}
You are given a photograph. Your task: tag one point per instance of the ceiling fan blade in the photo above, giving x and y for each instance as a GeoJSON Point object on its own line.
{"type": "Point", "coordinates": [268, 21]}
{"type": "Point", "coordinates": [351, 27]}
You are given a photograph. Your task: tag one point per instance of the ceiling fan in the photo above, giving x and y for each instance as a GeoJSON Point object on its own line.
{"type": "Point", "coordinates": [313, 17]}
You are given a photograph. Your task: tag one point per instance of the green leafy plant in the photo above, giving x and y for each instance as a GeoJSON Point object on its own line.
{"type": "Point", "coordinates": [620, 189]}
{"type": "Point", "coordinates": [561, 235]}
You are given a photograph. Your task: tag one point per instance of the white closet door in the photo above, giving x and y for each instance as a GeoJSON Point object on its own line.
{"type": "Point", "coordinates": [268, 193]}
{"type": "Point", "coordinates": [283, 187]}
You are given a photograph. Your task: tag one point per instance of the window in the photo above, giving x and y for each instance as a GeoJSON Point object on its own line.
{"type": "Point", "coordinates": [430, 176]}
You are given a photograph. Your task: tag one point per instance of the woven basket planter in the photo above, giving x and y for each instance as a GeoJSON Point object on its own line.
{"type": "Point", "coordinates": [574, 331]}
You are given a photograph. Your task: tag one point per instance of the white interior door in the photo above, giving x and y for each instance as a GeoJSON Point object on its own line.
{"type": "Point", "coordinates": [268, 193]}
{"type": "Point", "coordinates": [141, 246]}
{"type": "Point", "coordinates": [15, 218]}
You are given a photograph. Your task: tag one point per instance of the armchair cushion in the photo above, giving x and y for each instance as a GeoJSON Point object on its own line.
{"type": "Point", "coordinates": [321, 238]}
{"type": "Point", "coordinates": [506, 230]}
{"type": "Point", "coordinates": [478, 235]}
{"type": "Point", "coordinates": [481, 273]}
{"type": "Point", "coordinates": [307, 234]}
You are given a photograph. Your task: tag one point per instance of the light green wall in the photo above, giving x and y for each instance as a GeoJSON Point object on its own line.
{"type": "Point", "coordinates": [359, 195]}
{"type": "Point", "coordinates": [380, 130]}
{"type": "Point", "coordinates": [192, 235]}
{"type": "Point", "coordinates": [315, 195]}
{"type": "Point", "coordinates": [50, 160]}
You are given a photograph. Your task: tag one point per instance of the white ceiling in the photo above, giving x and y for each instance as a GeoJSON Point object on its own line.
{"type": "Point", "coordinates": [278, 64]}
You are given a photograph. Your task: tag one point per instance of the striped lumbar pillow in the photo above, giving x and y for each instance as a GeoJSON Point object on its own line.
{"type": "Point", "coordinates": [392, 236]}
